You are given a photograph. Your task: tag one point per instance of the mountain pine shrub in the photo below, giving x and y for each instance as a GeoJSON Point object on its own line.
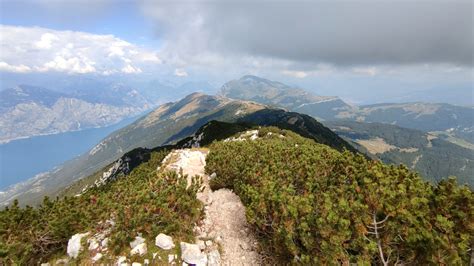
{"type": "Point", "coordinates": [144, 202]}
{"type": "Point", "coordinates": [311, 204]}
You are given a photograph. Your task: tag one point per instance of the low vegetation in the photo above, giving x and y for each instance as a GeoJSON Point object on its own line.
{"type": "Point", "coordinates": [311, 204]}
{"type": "Point", "coordinates": [145, 202]}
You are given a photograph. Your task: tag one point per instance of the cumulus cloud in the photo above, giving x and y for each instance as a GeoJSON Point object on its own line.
{"type": "Point", "coordinates": [14, 68]}
{"type": "Point", "coordinates": [180, 72]}
{"type": "Point", "coordinates": [341, 33]}
{"type": "Point", "coordinates": [34, 49]}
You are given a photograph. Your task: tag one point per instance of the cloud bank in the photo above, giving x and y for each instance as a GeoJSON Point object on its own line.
{"type": "Point", "coordinates": [35, 49]}
{"type": "Point", "coordinates": [340, 33]}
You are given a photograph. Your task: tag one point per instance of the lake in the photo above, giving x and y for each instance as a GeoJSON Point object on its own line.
{"type": "Point", "coordinates": [25, 158]}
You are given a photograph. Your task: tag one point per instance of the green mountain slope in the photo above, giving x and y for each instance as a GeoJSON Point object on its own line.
{"type": "Point", "coordinates": [434, 158]}
{"type": "Point", "coordinates": [166, 125]}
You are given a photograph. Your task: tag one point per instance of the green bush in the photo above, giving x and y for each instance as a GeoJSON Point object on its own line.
{"type": "Point", "coordinates": [312, 204]}
{"type": "Point", "coordinates": [143, 202]}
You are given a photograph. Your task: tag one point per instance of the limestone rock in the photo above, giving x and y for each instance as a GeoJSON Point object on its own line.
{"type": "Point", "coordinates": [93, 244]}
{"type": "Point", "coordinates": [74, 245]}
{"type": "Point", "coordinates": [191, 254]}
{"type": "Point", "coordinates": [97, 257]}
{"type": "Point", "coordinates": [164, 242]}
{"type": "Point", "coordinates": [121, 260]}
{"type": "Point", "coordinates": [139, 249]}
{"type": "Point", "coordinates": [171, 258]}
{"type": "Point", "coordinates": [201, 244]}
{"type": "Point", "coordinates": [138, 240]}
{"type": "Point", "coordinates": [213, 258]}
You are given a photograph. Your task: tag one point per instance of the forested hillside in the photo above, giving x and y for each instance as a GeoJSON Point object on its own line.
{"type": "Point", "coordinates": [432, 156]}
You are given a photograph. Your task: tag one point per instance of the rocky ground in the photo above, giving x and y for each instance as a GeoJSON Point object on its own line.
{"type": "Point", "coordinates": [224, 228]}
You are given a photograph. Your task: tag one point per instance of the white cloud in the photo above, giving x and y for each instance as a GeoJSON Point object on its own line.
{"type": "Point", "coordinates": [46, 41]}
{"type": "Point", "coordinates": [180, 72]}
{"type": "Point", "coordinates": [34, 49]}
{"type": "Point", "coordinates": [69, 65]}
{"type": "Point", "coordinates": [129, 69]}
{"type": "Point", "coordinates": [295, 74]}
{"type": "Point", "coordinates": [368, 71]}
{"type": "Point", "coordinates": [16, 69]}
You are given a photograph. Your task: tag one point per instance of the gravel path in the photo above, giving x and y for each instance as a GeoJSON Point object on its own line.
{"type": "Point", "coordinates": [224, 222]}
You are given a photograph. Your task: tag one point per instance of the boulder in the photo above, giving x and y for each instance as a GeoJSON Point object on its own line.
{"type": "Point", "coordinates": [138, 240]}
{"type": "Point", "coordinates": [191, 254]}
{"type": "Point", "coordinates": [164, 242]}
{"type": "Point", "coordinates": [74, 245]}
{"type": "Point", "coordinates": [139, 249]}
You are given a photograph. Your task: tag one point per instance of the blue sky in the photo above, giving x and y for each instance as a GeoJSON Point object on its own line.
{"type": "Point", "coordinates": [123, 19]}
{"type": "Point", "coordinates": [365, 51]}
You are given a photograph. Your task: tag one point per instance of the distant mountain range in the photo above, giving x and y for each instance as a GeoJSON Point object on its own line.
{"type": "Point", "coordinates": [457, 121]}
{"type": "Point", "coordinates": [27, 111]}
{"type": "Point", "coordinates": [168, 124]}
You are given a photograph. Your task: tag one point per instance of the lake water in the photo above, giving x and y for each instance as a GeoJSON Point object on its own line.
{"type": "Point", "coordinates": [25, 158]}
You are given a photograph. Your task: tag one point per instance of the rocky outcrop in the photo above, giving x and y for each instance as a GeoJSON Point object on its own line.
{"type": "Point", "coordinates": [74, 246]}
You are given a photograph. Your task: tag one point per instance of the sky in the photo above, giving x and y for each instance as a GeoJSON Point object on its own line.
{"type": "Point", "coordinates": [362, 50]}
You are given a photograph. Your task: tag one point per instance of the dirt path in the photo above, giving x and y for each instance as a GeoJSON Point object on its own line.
{"type": "Point", "coordinates": [224, 223]}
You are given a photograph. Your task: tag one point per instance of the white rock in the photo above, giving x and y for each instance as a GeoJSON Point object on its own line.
{"type": "Point", "coordinates": [201, 244]}
{"type": "Point", "coordinates": [146, 262]}
{"type": "Point", "coordinates": [136, 264]}
{"type": "Point", "coordinates": [45, 264]}
{"type": "Point", "coordinates": [121, 260]}
{"type": "Point", "coordinates": [190, 253]}
{"type": "Point", "coordinates": [97, 257]}
{"type": "Point", "coordinates": [213, 258]}
{"type": "Point", "coordinates": [164, 242]}
{"type": "Point", "coordinates": [139, 249]}
{"type": "Point", "coordinates": [170, 258]}
{"type": "Point", "coordinates": [74, 245]}
{"type": "Point", "coordinates": [93, 244]}
{"type": "Point", "coordinates": [138, 240]}
{"type": "Point", "coordinates": [104, 242]}
{"type": "Point", "coordinates": [208, 243]}
{"type": "Point", "coordinates": [213, 175]}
